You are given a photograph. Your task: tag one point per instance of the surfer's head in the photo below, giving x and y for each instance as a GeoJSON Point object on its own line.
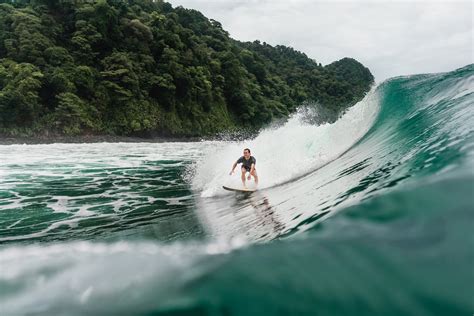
{"type": "Point", "coordinates": [246, 152]}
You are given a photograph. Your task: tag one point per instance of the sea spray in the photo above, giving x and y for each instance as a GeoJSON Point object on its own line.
{"type": "Point", "coordinates": [287, 152]}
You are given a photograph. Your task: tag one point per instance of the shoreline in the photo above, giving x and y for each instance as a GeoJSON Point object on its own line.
{"type": "Point", "coordinates": [8, 140]}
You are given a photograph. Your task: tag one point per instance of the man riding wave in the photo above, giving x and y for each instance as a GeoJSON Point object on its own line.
{"type": "Point", "coordinates": [248, 165]}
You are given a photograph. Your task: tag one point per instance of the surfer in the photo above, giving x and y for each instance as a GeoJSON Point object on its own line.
{"type": "Point", "coordinates": [248, 165]}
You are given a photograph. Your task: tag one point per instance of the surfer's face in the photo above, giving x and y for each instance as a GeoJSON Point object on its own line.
{"type": "Point", "coordinates": [246, 153]}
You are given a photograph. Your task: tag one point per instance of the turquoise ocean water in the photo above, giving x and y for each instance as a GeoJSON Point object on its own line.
{"type": "Point", "coordinates": [372, 215]}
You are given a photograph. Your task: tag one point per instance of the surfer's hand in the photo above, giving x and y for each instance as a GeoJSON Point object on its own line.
{"type": "Point", "coordinates": [230, 173]}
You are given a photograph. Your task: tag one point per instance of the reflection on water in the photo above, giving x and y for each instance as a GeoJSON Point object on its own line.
{"type": "Point", "coordinates": [241, 215]}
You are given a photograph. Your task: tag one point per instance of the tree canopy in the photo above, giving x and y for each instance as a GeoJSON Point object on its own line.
{"type": "Point", "coordinates": [142, 67]}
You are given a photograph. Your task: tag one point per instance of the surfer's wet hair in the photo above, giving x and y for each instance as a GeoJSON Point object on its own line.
{"type": "Point", "coordinates": [247, 149]}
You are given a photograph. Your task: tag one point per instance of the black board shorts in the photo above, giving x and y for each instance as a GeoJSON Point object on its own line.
{"type": "Point", "coordinates": [247, 168]}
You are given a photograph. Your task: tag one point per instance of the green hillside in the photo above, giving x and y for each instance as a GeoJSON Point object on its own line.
{"type": "Point", "coordinates": [144, 68]}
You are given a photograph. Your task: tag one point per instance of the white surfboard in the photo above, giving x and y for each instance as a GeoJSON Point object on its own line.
{"type": "Point", "coordinates": [238, 189]}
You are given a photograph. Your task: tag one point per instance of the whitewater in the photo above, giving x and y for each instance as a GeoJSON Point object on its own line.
{"type": "Point", "coordinates": [372, 213]}
{"type": "Point", "coordinates": [287, 152]}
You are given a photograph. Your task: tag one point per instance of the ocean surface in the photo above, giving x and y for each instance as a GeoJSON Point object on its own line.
{"type": "Point", "coordinates": [371, 215]}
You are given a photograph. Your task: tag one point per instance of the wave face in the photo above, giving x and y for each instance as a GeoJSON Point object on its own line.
{"type": "Point", "coordinates": [372, 215]}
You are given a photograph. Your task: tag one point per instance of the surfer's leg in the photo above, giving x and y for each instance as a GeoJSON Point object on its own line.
{"type": "Point", "coordinates": [244, 171]}
{"type": "Point", "coordinates": [255, 176]}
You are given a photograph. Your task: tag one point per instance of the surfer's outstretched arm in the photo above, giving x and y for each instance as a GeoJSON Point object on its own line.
{"type": "Point", "coordinates": [233, 167]}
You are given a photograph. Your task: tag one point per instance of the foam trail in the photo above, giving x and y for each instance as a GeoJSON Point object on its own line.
{"type": "Point", "coordinates": [289, 151]}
